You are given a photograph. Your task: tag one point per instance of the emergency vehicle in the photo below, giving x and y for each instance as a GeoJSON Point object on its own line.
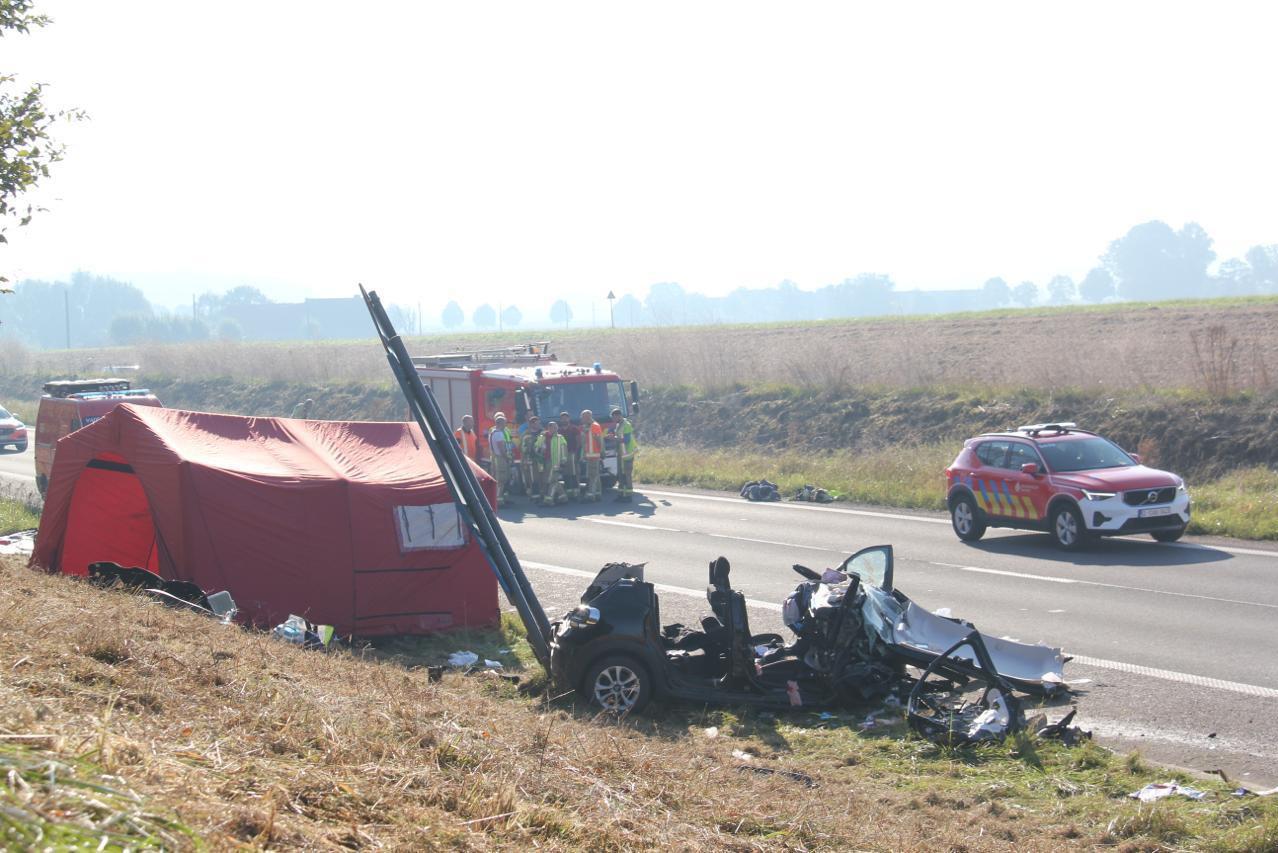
{"type": "Point", "coordinates": [69, 404]}
{"type": "Point", "coordinates": [525, 380]}
{"type": "Point", "coordinates": [1066, 481]}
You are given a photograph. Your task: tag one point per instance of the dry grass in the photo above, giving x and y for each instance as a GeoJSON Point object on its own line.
{"type": "Point", "coordinates": [187, 733]}
{"type": "Point", "coordinates": [165, 729]}
{"type": "Point", "coordinates": [1123, 346]}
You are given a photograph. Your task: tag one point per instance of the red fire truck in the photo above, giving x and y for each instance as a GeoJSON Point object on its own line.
{"type": "Point", "coordinates": [523, 380]}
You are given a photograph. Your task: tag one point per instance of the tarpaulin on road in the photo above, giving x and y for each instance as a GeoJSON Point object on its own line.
{"type": "Point", "coordinates": [349, 524]}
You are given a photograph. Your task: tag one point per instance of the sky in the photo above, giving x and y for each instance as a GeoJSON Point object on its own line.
{"type": "Point", "coordinates": [522, 152]}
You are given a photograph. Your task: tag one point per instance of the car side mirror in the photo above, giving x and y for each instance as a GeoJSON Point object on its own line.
{"type": "Point", "coordinates": [1135, 458]}
{"type": "Point", "coordinates": [1030, 468]}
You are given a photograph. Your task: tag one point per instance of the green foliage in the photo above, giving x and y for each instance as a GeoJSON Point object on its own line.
{"type": "Point", "coordinates": [27, 149]}
{"type": "Point", "coordinates": [17, 515]}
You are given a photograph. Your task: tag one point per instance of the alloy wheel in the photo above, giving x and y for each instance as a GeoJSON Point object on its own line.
{"type": "Point", "coordinates": [617, 688]}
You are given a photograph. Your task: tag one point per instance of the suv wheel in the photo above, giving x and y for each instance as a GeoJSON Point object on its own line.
{"type": "Point", "coordinates": [1067, 528]}
{"type": "Point", "coordinates": [21, 447]}
{"type": "Point", "coordinates": [1168, 535]}
{"type": "Point", "coordinates": [618, 684]}
{"type": "Point", "coordinates": [967, 524]}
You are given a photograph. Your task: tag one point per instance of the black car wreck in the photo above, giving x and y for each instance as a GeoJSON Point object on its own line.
{"type": "Point", "coordinates": [855, 638]}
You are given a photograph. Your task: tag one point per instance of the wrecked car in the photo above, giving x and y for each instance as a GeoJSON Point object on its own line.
{"type": "Point", "coordinates": [855, 637]}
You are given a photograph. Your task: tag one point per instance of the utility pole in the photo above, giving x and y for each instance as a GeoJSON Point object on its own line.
{"type": "Point", "coordinates": [612, 318]}
{"type": "Point", "coordinates": [66, 301]}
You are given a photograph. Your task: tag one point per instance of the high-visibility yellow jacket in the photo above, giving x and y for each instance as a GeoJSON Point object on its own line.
{"type": "Point", "coordinates": [624, 432]}
{"type": "Point", "coordinates": [551, 452]}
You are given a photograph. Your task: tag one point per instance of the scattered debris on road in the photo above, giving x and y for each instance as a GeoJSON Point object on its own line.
{"type": "Point", "coordinates": [21, 542]}
{"type": "Point", "coordinates": [761, 490]}
{"type": "Point", "coordinates": [1158, 790]}
{"type": "Point", "coordinates": [813, 494]}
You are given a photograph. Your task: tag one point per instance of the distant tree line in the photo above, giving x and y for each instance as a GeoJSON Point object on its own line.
{"type": "Point", "coordinates": [1151, 261]}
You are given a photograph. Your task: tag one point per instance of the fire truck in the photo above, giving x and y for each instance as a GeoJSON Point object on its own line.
{"type": "Point", "coordinates": [526, 380]}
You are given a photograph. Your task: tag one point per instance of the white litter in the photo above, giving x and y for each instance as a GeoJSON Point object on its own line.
{"type": "Point", "coordinates": [713, 731]}
{"type": "Point", "coordinates": [460, 659]}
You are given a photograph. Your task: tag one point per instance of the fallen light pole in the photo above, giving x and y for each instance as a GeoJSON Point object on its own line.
{"type": "Point", "coordinates": [475, 511]}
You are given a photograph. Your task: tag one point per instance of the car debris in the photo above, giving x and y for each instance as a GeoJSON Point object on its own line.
{"type": "Point", "coordinates": [856, 637]}
{"type": "Point", "coordinates": [1158, 790]}
{"type": "Point", "coordinates": [300, 631]}
{"type": "Point", "coordinates": [174, 593]}
{"type": "Point", "coordinates": [20, 542]}
{"type": "Point", "coordinates": [461, 660]}
{"type": "Point", "coordinates": [813, 494]}
{"type": "Point", "coordinates": [760, 490]}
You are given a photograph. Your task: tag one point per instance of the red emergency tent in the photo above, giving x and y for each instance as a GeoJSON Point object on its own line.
{"type": "Point", "coordinates": [348, 524]}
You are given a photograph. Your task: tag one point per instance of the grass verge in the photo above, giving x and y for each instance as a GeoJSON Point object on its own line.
{"type": "Point", "coordinates": [1242, 503]}
{"type": "Point", "coordinates": [238, 739]}
{"type": "Point", "coordinates": [16, 514]}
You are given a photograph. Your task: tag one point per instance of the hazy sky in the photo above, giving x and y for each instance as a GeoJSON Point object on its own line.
{"type": "Point", "coordinates": [484, 149]}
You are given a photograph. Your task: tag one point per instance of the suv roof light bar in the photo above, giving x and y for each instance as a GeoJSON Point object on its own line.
{"type": "Point", "coordinates": [108, 395]}
{"type": "Point", "coordinates": [67, 387]}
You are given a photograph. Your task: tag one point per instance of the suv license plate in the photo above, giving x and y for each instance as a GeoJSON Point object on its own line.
{"type": "Point", "coordinates": [1155, 511]}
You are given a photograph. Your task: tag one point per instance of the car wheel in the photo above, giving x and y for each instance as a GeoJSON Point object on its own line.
{"type": "Point", "coordinates": [1067, 528]}
{"type": "Point", "coordinates": [21, 447]}
{"type": "Point", "coordinates": [967, 524]}
{"type": "Point", "coordinates": [1168, 535]}
{"type": "Point", "coordinates": [618, 684]}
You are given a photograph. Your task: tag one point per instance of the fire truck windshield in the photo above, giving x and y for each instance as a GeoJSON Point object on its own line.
{"type": "Point", "coordinates": [571, 397]}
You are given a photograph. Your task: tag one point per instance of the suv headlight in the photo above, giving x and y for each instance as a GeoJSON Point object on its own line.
{"type": "Point", "coordinates": [1098, 496]}
{"type": "Point", "coordinates": [1180, 487]}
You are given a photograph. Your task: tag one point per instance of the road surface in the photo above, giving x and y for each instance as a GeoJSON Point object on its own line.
{"type": "Point", "coordinates": [17, 473]}
{"type": "Point", "coordinates": [1176, 643]}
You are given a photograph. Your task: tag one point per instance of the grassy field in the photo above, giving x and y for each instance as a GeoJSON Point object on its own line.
{"type": "Point", "coordinates": [127, 725]}
{"type": "Point", "coordinates": [1107, 347]}
{"type": "Point", "coordinates": [1243, 503]}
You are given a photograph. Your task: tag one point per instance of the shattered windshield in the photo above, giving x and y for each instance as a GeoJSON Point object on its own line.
{"type": "Point", "coordinates": [571, 397]}
{"type": "Point", "coordinates": [872, 565]}
{"type": "Point", "coordinates": [1084, 454]}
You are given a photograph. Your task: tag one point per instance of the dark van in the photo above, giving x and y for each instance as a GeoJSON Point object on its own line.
{"type": "Point", "coordinates": [70, 404]}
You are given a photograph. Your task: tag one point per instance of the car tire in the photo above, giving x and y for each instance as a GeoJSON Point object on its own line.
{"type": "Point", "coordinates": [1067, 528]}
{"type": "Point", "coordinates": [618, 684]}
{"type": "Point", "coordinates": [1168, 535]}
{"type": "Point", "coordinates": [968, 525]}
{"type": "Point", "coordinates": [21, 447]}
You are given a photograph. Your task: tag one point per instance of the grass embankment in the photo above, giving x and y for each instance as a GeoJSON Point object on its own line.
{"type": "Point", "coordinates": [1242, 503]}
{"type": "Point", "coordinates": [120, 716]}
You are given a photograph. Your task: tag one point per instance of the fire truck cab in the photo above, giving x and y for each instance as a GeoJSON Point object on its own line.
{"type": "Point", "coordinates": [521, 381]}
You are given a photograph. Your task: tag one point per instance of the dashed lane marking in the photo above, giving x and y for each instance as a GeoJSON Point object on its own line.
{"type": "Point", "coordinates": [1051, 579]}
{"type": "Point", "coordinates": [629, 524]}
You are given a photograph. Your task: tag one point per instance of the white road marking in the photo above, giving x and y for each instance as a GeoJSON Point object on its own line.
{"type": "Point", "coordinates": [1252, 552]}
{"type": "Point", "coordinates": [1051, 579]}
{"type": "Point", "coordinates": [1182, 677]}
{"type": "Point", "coordinates": [1100, 663]}
{"type": "Point", "coordinates": [769, 542]}
{"type": "Point", "coordinates": [712, 535]}
{"type": "Point", "coordinates": [629, 524]}
{"type": "Point", "coordinates": [807, 507]}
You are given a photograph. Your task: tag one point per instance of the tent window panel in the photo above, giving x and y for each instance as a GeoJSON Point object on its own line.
{"type": "Point", "coordinates": [430, 527]}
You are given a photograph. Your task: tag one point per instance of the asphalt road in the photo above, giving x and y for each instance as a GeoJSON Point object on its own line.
{"type": "Point", "coordinates": [17, 473]}
{"type": "Point", "coordinates": [1175, 644]}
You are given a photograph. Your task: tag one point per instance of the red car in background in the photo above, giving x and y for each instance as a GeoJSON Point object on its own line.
{"type": "Point", "coordinates": [1065, 481]}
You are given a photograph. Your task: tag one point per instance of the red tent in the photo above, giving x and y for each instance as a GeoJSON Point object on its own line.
{"type": "Point", "coordinates": [347, 524]}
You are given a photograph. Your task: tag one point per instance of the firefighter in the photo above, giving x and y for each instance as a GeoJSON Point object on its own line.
{"type": "Point", "coordinates": [530, 432]}
{"type": "Point", "coordinates": [551, 451]}
{"type": "Point", "coordinates": [572, 440]}
{"type": "Point", "coordinates": [467, 438]}
{"type": "Point", "coordinates": [592, 442]}
{"type": "Point", "coordinates": [620, 429]}
{"type": "Point", "coordinates": [501, 450]}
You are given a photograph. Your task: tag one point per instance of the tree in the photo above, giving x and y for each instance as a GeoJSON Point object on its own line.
{"type": "Point", "coordinates": [229, 330]}
{"type": "Point", "coordinates": [511, 316]}
{"type": "Point", "coordinates": [996, 293]}
{"type": "Point", "coordinates": [452, 316]}
{"type": "Point", "coordinates": [1061, 290]}
{"type": "Point", "coordinates": [485, 316]}
{"type": "Point", "coordinates": [26, 147]}
{"type": "Point", "coordinates": [1097, 285]}
{"type": "Point", "coordinates": [1025, 293]}
{"type": "Point", "coordinates": [629, 311]}
{"type": "Point", "coordinates": [1151, 261]}
{"type": "Point", "coordinates": [560, 312]}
